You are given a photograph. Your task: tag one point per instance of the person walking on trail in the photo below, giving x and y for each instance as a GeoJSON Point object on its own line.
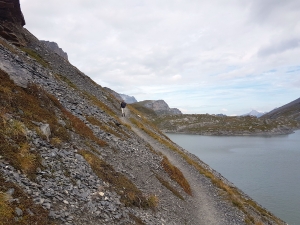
{"type": "Point", "coordinates": [123, 105]}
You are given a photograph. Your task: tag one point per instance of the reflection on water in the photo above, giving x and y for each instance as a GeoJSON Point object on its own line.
{"type": "Point", "coordinates": [265, 168]}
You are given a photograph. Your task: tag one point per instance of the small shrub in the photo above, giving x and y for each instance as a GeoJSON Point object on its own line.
{"type": "Point", "coordinates": [56, 141]}
{"type": "Point", "coordinates": [152, 201]}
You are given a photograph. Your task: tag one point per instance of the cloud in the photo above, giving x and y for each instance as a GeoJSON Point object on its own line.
{"type": "Point", "coordinates": [197, 55]}
{"type": "Point", "coordinates": [279, 47]}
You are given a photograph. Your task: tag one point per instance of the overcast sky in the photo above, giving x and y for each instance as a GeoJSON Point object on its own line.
{"type": "Point", "coordinates": [201, 56]}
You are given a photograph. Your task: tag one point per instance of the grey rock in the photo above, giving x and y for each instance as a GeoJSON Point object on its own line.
{"type": "Point", "coordinates": [18, 212]}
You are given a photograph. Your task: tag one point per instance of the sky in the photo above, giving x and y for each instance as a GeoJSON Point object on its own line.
{"type": "Point", "coordinates": [200, 56]}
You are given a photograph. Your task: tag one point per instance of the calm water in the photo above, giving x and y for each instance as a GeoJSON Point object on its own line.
{"type": "Point", "coordinates": [265, 168]}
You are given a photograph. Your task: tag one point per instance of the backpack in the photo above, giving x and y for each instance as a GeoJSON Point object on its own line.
{"type": "Point", "coordinates": [123, 104]}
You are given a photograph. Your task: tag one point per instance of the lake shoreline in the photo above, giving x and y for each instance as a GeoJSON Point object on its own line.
{"type": "Point", "coordinates": [260, 134]}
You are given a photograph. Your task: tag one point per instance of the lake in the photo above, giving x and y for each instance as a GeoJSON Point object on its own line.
{"type": "Point", "coordinates": [265, 168]}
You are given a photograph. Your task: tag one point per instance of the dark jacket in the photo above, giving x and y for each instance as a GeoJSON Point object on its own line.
{"type": "Point", "coordinates": [123, 105]}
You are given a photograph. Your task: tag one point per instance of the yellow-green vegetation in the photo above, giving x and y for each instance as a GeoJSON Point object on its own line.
{"type": "Point", "coordinates": [231, 193]}
{"type": "Point", "coordinates": [7, 213]}
{"type": "Point", "coordinates": [66, 80]}
{"type": "Point", "coordinates": [168, 186]}
{"type": "Point", "coordinates": [35, 56]}
{"type": "Point", "coordinates": [130, 194]}
{"type": "Point", "coordinates": [176, 175]}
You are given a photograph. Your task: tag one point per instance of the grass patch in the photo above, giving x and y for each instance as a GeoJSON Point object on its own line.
{"type": "Point", "coordinates": [35, 56]}
{"type": "Point", "coordinates": [168, 186]}
{"type": "Point", "coordinates": [130, 194]}
{"type": "Point", "coordinates": [176, 175]}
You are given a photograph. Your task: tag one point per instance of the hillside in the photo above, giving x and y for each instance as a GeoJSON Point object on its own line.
{"type": "Point", "coordinates": [67, 156]}
{"type": "Point", "coordinates": [289, 111]}
{"type": "Point", "coordinates": [205, 124]}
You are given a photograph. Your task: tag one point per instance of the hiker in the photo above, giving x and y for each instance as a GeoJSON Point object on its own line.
{"type": "Point", "coordinates": [123, 105]}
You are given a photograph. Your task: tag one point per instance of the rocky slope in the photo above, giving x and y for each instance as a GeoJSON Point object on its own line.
{"type": "Point", "coordinates": [55, 48]}
{"type": "Point", "coordinates": [66, 157]}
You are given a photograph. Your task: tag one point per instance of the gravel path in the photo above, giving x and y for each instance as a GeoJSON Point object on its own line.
{"type": "Point", "coordinates": [207, 206]}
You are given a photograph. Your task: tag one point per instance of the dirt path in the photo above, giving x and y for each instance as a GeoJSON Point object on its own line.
{"type": "Point", "coordinates": [204, 202]}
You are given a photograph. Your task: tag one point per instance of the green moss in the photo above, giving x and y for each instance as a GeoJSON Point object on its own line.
{"type": "Point", "coordinates": [35, 56]}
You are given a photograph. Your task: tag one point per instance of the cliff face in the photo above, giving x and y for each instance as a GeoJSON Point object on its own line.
{"type": "Point", "coordinates": [11, 22]}
{"type": "Point", "coordinates": [10, 11]}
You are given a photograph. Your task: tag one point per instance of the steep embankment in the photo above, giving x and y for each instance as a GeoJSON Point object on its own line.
{"type": "Point", "coordinates": [67, 158]}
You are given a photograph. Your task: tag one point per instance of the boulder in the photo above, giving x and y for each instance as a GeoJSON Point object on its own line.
{"type": "Point", "coordinates": [45, 128]}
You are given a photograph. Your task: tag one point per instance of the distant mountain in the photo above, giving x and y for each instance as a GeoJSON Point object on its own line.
{"type": "Point", "coordinates": [156, 107]}
{"type": "Point", "coordinates": [287, 111]}
{"type": "Point", "coordinates": [128, 99]}
{"type": "Point", "coordinates": [254, 113]}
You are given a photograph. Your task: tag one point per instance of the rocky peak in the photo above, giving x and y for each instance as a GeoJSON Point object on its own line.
{"type": "Point", "coordinates": [55, 48]}
{"type": "Point", "coordinates": [128, 99]}
{"type": "Point", "coordinates": [161, 107]}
